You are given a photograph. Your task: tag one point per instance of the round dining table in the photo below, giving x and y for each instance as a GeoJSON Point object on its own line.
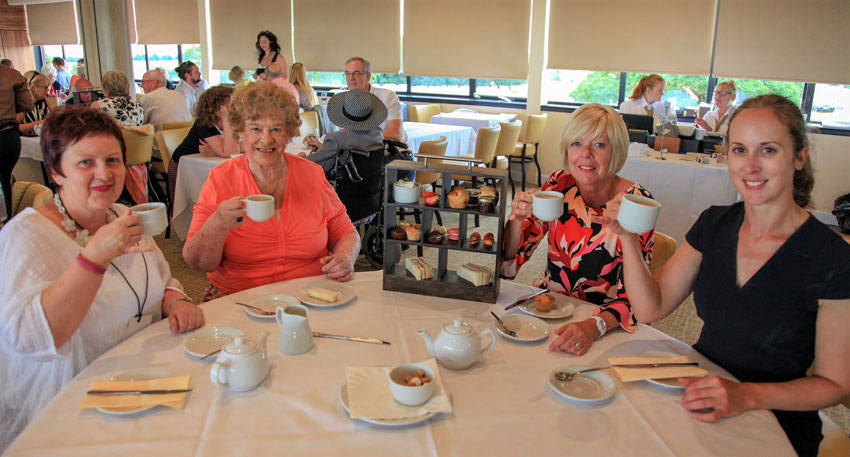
{"type": "Point", "coordinates": [502, 405]}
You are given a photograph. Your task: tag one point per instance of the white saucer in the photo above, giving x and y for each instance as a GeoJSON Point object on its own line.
{"type": "Point", "coordinates": [587, 388]}
{"type": "Point", "coordinates": [135, 375]}
{"type": "Point", "coordinates": [270, 303]}
{"type": "Point", "coordinates": [560, 309]}
{"type": "Point", "coordinates": [670, 383]}
{"type": "Point", "coordinates": [343, 398]}
{"type": "Point", "coordinates": [210, 339]}
{"type": "Point", "coordinates": [348, 294]}
{"type": "Point", "coordinates": [527, 328]}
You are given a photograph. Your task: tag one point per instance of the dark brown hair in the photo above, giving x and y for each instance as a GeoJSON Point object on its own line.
{"type": "Point", "coordinates": [67, 125]}
{"type": "Point", "coordinates": [206, 111]}
{"type": "Point", "coordinates": [791, 117]}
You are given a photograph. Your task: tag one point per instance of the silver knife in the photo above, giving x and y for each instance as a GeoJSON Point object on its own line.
{"type": "Point", "coordinates": [350, 338]}
{"type": "Point", "coordinates": [138, 392]}
{"type": "Point", "coordinates": [526, 298]}
{"type": "Point", "coordinates": [656, 365]}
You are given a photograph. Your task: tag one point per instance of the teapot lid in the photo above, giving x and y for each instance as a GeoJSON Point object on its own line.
{"type": "Point", "coordinates": [241, 346]}
{"type": "Point", "coordinates": [458, 327]}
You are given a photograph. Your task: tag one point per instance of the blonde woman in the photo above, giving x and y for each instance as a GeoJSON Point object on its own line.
{"type": "Point", "coordinates": [38, 85]}
{"type": "Point", "coordinates": [306, 94]}
{"type": "Point", "coordinates": [717, 120]}
{"type": "Point", "coordinates": [118, 103]}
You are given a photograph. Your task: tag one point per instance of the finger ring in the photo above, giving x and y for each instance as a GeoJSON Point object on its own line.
{"type": "Point", "coordinates": [240, 219]}
{"type": "Point", "coordinates": [578, 346]}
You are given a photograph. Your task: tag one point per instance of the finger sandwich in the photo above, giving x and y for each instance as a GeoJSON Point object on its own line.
{"type": "Point", "coordinates": [419, 268]}
{"type": "Point", "coordinates": [477, 274]}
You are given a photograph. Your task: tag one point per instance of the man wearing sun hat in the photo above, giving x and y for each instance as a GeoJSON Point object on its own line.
{"type": "Point", "coordinates": [358, 114]}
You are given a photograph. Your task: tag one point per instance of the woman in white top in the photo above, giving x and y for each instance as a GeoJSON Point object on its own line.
{"type": "Point", "coordinates": [646, 99]}
{"type": "Point", "coordinates": [78, 276]}
{"type": "Point", "coordinates": [717, 120]}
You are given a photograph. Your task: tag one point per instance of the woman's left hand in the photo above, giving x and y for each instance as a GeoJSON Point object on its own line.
{"type": "Point", "coordinates": [575, 337]}
{"type": "Point", "coordinates": [710, 398]}
{"type": "Point", "coordinates": [337, 266]}
{"type": "Point", "coordinates": [205, 149]}
{"type": "Point", "coordinates": [185, 316]}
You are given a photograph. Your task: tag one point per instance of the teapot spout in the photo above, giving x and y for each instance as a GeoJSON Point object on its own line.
{"type": "Point", "coordinates": [429, 342]}
{"type": "Point", "coordinates": [261, 343]}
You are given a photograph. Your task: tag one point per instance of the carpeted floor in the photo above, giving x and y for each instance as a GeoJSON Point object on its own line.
{"type": "Point", "coordinates": [683, 324]}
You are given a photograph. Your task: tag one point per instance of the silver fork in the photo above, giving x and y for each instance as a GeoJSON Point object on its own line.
{"type": "Point", "coordinates": [504, 327]}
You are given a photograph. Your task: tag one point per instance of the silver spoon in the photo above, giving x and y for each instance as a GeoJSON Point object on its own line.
{"type": "Point", "coordinates": [567, 377]}
{"type": "Point", "coordinates": [505, 327]}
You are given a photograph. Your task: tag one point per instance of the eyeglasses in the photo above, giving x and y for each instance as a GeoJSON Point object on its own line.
{"type": "Point", "coordinates": [356, 74]}
{"type": "Point", "coordinates": [723, 93]}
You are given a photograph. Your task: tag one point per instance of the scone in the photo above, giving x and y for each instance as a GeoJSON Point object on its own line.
{"type": "Point", "coordinates": [543, 303]}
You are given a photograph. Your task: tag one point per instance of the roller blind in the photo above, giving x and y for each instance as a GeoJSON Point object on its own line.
{"type": "Point", "coordinates": [167, 21]}
{"type": "Point", "coordinates": [470, 38]}
{"type": "Point", "coordinates": [799, 40]}
{"type": "Point", "coordinates": [53, 23]}
{"type": "Point", "coordinates": [651, 36]}
{"type": "Point", "coordinates": [234, 26]}
{"type": "Point", "coordinates": [131, 22]}
{"type": "Point", "coordinates": [329, 32]}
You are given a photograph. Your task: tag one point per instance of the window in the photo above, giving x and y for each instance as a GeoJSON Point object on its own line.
{"type": "Point", "coordinates": [577, 86]}
{"type": "Point", "coordinates": [168, 56]}
{"type": "Point", "coordinates": [831, 105]}
{"type": "Point", "coordinates": [748, 88]}
{"type": "Point", "coordinates": [508, 88]}
{"type": "Point", "coordinates": [71, 54]}
{"type": "Point", "coordinates": [329, 79]}
{"type": "Point", "coordinates": [680, 90]}
{"type": "Point", "coordinates": [394, 82]}
{"type": "Point", "coordinates": [435, 85]}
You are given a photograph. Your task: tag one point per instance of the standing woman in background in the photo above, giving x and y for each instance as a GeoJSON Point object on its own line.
{"type": "Point", "coordinates": [306, 94]}
{"type": "Point", "coordinates": [269, 53]}
{"type": "Point", "coordinates": [646, 99]}
{"type": "Point", "coordinates": [717, 120]}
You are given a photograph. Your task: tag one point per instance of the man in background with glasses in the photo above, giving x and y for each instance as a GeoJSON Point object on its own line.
{"type": "Point", "coordinates": [358, 73]}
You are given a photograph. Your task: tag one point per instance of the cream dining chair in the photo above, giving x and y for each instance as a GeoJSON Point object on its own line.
{"type": "Point", "coordinates": [526, 150]}
{"type": "Point", "coordinates": [424, 113]}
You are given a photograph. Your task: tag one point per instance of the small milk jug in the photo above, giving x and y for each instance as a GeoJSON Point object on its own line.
{"type": "Point", "coordinates": [295, 334]}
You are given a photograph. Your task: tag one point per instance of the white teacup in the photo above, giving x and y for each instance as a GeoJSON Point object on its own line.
{"type": "Point", "coordinates": [638, 213]}
{"type": "Point", "coordinates": [699, 133]}
{"type": "Point", "coordinates": [259, 207]}
{"type": "Point", "coordinates": [153, 219]}
{"type": "Point", "coordinates": [548, 205]}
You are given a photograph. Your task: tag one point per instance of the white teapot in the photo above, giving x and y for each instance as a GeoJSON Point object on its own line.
{"type": "Point", "coordinates": [457, 346]}
{"type": "Point", "coordinates": [241, 365]}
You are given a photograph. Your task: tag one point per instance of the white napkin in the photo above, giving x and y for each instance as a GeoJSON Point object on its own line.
{"type": "Point", "coordinates": [369, 395]}
{"type": "Point", "coordinates": [638, 150]}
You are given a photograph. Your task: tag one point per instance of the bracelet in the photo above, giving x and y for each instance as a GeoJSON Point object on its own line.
{"type": "Point", "coordinates": [168, 308]}
{"type": "Point", "coordinates": [89, 265]}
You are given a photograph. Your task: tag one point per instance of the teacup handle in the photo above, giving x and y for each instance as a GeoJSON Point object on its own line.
{"type": "Point", "coordinates": [487, 331]}
{"type": "Point", "coordinates": [218, 374]}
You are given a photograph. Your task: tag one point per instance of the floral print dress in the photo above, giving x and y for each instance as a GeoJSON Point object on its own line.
{"type": "Point", "coordinates": [124, 109]}
{"type": "Point", "coordinates": [585, 258]}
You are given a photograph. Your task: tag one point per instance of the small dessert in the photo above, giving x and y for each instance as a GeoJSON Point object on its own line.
{"type": "Point", "coordinates": [489, 239]}
{"type": "Point", "coordinates": [397, 233]}
{"type": "Point", "coordinates": [485, 205]}
{"type": "Point", "coordinates": [477, 274]}
{"type": "Point", "coordinates": [488, 191]}
{"type": "Point", "coordinates": [543, 303]}
{"type": "Point", "coordinates": [441, 229]}
{"type": "Point", "coordinates": [473, 199]}
{"type": "Point", "coordinates": [406, 182]}
{"type": "Point", "coordinates": [431, 198]}
{"type": "Point", "coordinates": [414, 232]}
{"type": "Point", "coordinates": [458, 197]}
{"type": "Point", "coordinates": [453, 234]}
{"type": "Point", "coordinates": [434, 237]}
{"type": "Point", "coordinates": [474, 239]}
{"type": "Point", "coordinates": [325, 295]}
{"type": "Point", "coordinates": [418, 379]}
{"type": "Point", "coordinates": [419, 268]}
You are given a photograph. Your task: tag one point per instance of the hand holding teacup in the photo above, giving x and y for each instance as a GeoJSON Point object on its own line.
{"type": "Point", "coordinates": [628, 215]}
{"type": "Point", "coordinates": [115, 239]}
{"type": "Point", "coordinates": [521, 206]}
{"type": "Point", "coordinates": [230, 213]}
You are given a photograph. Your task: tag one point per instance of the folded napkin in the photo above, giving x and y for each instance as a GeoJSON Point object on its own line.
{"type": "Point", "coordinates": [639, 374]}
{"type": "Point", "coordinates": [638, 150]}
{"type": "Point", "coordinates": [131, 401]}
{"type": "Point", "coordinates": [146, 129]}
{"type": "Point", "coordinates": [369, 395]}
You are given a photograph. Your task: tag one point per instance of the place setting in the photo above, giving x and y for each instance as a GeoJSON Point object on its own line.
{"type": "Point", "coordinates": [208, 341]}
{"type": "Point", "coordinates": [326, 294]}
{"type": "Point", "coordinates": [136, 391]}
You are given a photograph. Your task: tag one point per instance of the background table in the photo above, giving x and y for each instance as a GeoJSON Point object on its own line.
{"type": "Point", "coordinates": [472, 119]}
{"type": "Point", "coordinates": [684, 187]}
{"type": "Point", "coordinates": [502, 404]}
{"type": "Point", "coordinates": [461, 140]}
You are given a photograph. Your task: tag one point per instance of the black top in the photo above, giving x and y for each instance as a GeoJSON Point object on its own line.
{"type": "Point", "coordinates": [764, 331]}
{"type": "Point", "coordinates": [192, 141]}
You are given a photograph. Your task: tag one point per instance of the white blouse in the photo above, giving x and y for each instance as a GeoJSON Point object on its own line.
{"type": "Point", "coordinates": [34, 252]}
{"type": "Point", "coordinates": [639, 106]}
{"type": "Point", "coordinates": [712, 118]}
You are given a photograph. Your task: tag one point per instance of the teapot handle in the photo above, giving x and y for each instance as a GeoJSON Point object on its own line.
{"type": "Point", "coordinates": [218, 374]}
{"type": "Point", "coordinates": [487, 331]}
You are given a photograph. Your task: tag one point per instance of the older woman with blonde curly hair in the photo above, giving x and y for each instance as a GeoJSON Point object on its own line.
{"type": "Point", "coordinates": [118, 103]}
{"type": "Point", "coordinates": [309, 233]}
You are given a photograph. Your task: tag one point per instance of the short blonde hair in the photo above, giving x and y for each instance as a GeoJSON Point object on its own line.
{"type": "Point", "coordinates": [595, 119]}
{"type": "Point", "coordinates": [730, 87]}
{"type": "Point", "coordinates": [260, 99]}
{"type": "Point", "coordinates": [115, 84]}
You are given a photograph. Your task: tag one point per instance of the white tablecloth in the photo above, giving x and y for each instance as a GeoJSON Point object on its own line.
{"type": "Point", "coordinates": [461, 140]}
{"type": "Point", "coordinates": [684, 187]}
{"type": "Point", "coordinates": [472, 119]}
{"type": "Point", "coordinates": [502, 404]}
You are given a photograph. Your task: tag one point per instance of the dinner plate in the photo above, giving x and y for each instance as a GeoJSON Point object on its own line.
{"type": "Point", "coordinates": [269, 303]}
{"type": "Point", "coordinates": [669, 383]}
{"type": "Point", "coordinates": [135, 375]}
{"type": "Point", "coordinates": [343, 398]}
{"type": "Point", "coordinates": [210, 339]}
{"type": "Point", "coordinates": [527, 328]}
{"type": "Point", "coordinates": [587, 388]}
{"type": "Point", "coordinates": [348, 294]}
{"type": "Point", "coordinates": [560, 309]}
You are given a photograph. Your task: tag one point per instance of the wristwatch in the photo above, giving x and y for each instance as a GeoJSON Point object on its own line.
{"type": "Point", "coordinates": [600, 325]}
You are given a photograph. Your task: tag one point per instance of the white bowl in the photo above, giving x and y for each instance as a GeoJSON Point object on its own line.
{"type": "Point", "coordinates": [406, 194]}
{"type": "Point", "coordinates": [411, 395]}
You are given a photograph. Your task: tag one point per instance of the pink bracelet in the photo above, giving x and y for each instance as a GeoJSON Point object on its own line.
{"type": "Point", "coordinates": [89, 265]}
